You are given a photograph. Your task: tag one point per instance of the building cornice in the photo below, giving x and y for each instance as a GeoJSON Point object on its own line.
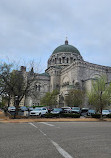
{"type": "Point", "coordinates": [85, 64]}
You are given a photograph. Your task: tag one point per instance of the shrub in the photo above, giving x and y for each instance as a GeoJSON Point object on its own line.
{"type": "Point", "coordinates": [96, 115]}
{"type": "Point", "coordinates": [71, 115]}
{"type": "Point", "coordinates": [109, 115]}
{"type": "Point", "coordinates": [49, 115]}
{"type": "Point", "coordinates": [63, 115]}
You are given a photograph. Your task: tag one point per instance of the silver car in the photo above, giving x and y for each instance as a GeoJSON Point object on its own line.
{"type": "Point", "coordinates": [11, 108]}
{"type": "Point", "coordinates": [105, 112]}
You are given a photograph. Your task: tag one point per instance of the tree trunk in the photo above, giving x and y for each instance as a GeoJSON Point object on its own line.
{"type": "Point", "coordinates": [101, 117]}
{"type": "Point", "coordinates": [9, 101]}
{"type": "Point", "coordinates": [17, 108]}
{"type": "Point", "coordinates": [101, 107]}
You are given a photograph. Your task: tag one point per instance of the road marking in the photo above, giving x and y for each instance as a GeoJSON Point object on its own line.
{"type": "Point", "coordinates": [38, 129]}
{"type": "Point", "coordinates": [33, 125]}
{"type": "Point", "coordinates": [47, 124]}
{"type": "Point", "coordinates": [42, 132]}
{"type": "Point", "coordinates": [61, 151]}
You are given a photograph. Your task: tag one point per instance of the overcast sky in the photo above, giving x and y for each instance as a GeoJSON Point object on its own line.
{"type": "Point", "coordinates": [32, 29]}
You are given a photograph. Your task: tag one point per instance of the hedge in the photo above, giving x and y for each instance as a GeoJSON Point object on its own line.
{"type": "Point", "coordinates": [70, 115]}
{"type": "Point", "coordinates": [109, 115]}
{"type": "Point", "coordinates": [63, 115]}
{"type": "Point", "coordinates": [50, 115]}
{"type": "Point", "coordinates": [96, 116]}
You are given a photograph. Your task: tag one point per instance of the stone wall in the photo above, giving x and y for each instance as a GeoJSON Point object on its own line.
{"type": "Point", "coordinates": [39, 87]}
{"type": "Point", "coordinates": [80, 73]}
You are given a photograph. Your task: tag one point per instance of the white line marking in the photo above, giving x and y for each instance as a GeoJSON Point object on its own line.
{"type": "Point", "coordinates": [47, 124]}
{"type": "Point", "coordinates": [61, 151]}
{"type": "Point", "coordinates": [43, 133]}
{"type": "Point", "coordinates": [33, 125]}
{"type": "Point", "coordinates": [38, 129]}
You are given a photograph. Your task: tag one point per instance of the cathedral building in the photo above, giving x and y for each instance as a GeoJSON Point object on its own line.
{"type": "Point", "coordinates": [66, 70]}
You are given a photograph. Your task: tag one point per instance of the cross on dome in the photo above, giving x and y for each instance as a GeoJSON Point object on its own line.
{"type": "Point", "coordinates": [66, 41]}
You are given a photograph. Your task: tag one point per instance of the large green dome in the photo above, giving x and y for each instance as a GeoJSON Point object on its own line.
{"type": "Point", "coordinates": [66, 48]}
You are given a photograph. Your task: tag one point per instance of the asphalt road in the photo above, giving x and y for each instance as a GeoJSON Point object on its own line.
{"type": "Point", "coordinates": [55, 140]}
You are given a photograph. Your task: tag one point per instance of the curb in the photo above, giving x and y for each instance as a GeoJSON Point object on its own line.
{"type": "Point", "coordinates": [52, 120]}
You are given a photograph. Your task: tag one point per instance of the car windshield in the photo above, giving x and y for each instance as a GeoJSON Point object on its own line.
{"type": "Point", "coordinates": [37, 109]}
{"type": "Point", "coordinates": [12, 107]}
{"type": "Point", "coordinates": [75, 108]}
{"type": "Point", "coordinates": [105, 110]}
{"type": "Point", "coordinates": [56, 109]}
{"type": "Point", "coordinates": [66, 108]}
{"type": "Point", "coordinates": [23, 107]}
{"type": "Point", "coordinates": [91, 110]}
{"type": "Point", "coordinates": [84, 110]}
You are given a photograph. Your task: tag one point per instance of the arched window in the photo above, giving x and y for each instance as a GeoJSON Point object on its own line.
{"type": "Point", "coordinates": [63, 59]}
{"type": "Point", "coordinates": [67, 60]}
{"type": "Point", "coordinates": [38, 87]}
{"type": "Point", "coordinates": [60, 60]}
{"type": "Point", "coordinates": [71, 60]}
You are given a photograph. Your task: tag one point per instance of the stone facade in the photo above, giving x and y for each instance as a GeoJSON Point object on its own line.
{"type": "Point", "coordinates": [66, 69]}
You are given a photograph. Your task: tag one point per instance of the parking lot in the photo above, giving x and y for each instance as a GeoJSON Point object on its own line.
{"type": "Point", "coordinates": [55, 140]}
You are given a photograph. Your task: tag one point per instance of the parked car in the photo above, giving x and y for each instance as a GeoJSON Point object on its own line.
{"type": "Point", "coordinates": [49, 110]}
{"type": "Point", "coordinates": [76, 110]}
{"type": "Point", "coordinates": [84, 111]}
{"type": "Point", "coordinates": [105, 112]}
{"type": "Point", "coordinates": [110, 111]}
{"type": "Point", "coordinates": [91, 112]}
{"type": "Point", "coordinates": [30, 108]}
{"type": "Point", "coordinates": [11, 109]}
{"type": "Point", "coordinates": [23, 108]}
{"type": "Point", "coordinates": [66, 109]}
{"type": "Point", "coordinates": [38, 111]}
{"type": "Point", "coordinates": [56, 111]}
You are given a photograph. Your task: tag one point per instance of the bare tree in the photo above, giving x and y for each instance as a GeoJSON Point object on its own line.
{"type": "Point", "coordinates": [15, 83]}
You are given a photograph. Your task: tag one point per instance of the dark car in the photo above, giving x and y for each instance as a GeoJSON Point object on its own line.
{"type": "Point", "coordinates": [30, 108]}
{"type": "Point", "coordinates": [91, 112]}
{"type": "Point", "coordinates": [84, 111]}
{"type": "Point", "coordinates": [23, 108]}
{"type": "Point", "coordinates": [76, 110]}
{"type": "Point", "coordinates": [110, 111]}
{"type": "Point", "coordinates": [49, 110]}
{"type": "Point", "coordinates": [66, 109]}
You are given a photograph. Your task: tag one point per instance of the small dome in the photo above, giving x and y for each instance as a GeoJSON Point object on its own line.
{"type": "Point", "coordinates": [66, 48]}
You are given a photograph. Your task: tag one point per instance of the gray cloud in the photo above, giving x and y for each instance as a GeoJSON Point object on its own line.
{"type": "Point", "coordinates": [34, 28]}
